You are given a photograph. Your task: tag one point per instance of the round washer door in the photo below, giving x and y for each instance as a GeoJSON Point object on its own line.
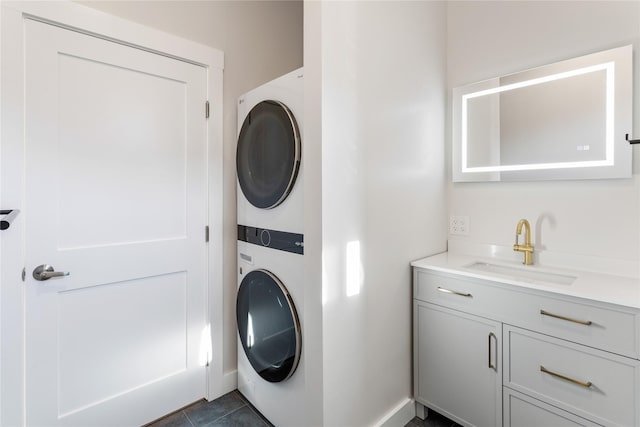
{"type": "Point", "coordinates": [268, 154]}
{"type": "Point", "coordinates": [268, 326]}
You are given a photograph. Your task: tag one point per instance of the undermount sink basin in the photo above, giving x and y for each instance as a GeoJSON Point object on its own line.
{"type": "Point", "coordinates": [524, 274]}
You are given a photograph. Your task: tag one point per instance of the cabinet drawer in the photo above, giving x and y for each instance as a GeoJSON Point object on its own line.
{"type": "Point", "coordinates": [521, 410]}
{"type": "Point", "coordinates": [606, 328]}
{"type": "Point", "coordinates": [582, 380]}
{"type": "Point", "coordinates": [460, 294]}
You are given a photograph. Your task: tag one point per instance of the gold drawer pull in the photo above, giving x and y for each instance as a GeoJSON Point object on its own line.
{"type": "Point", "coordinates": [449, 291]}
{"type": "Point", "coordinates": [587, 384]}
{"type": "Point", "coordinates": [568, 319]}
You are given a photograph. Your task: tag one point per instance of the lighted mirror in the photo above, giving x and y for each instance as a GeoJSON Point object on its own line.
{"type": "Point", "coordinates": [566, 120]}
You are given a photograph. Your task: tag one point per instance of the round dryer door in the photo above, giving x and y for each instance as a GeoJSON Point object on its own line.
{"type": "Point", "coordinates": [268, 326]}
{"type": "Point", "coordinates": [268, 155]}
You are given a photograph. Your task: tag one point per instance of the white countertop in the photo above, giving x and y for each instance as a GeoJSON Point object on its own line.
{"type": "Point", "coordinates": [620, 290]}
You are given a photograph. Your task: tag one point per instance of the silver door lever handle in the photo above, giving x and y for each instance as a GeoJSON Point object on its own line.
{"type": "Point", "coordinates": [46, 272]}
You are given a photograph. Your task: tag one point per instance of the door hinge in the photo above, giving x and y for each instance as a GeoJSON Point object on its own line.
{"type": "Point", "coordinates": [24, 273]}
{"type": "Point", "coordinates": [206, 109]}
{"type": "Point", "coordinates": [206, 233]}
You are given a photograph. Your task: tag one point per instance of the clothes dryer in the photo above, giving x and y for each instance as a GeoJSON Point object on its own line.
{"type": "Point", "coordinates": [270, 330]}
{"type": "Point", "coordinates": [269, 155]}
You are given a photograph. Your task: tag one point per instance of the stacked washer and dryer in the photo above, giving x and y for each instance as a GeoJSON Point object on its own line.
{"type": "Point", "coordinates": [270, 249]}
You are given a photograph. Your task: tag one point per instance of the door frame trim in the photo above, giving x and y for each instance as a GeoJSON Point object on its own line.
{"type": "Point", "coordinates": [12, 242]}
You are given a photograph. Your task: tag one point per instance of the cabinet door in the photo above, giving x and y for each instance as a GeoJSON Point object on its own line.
{"type": "Point", "coordinates": [457, 371]}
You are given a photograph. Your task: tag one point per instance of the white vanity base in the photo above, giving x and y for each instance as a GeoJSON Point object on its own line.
{"type": "Point", "coordinates": [493, 351]}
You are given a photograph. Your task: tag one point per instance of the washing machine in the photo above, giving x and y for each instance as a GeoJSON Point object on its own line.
{"type": "Point", "coordinates": [270, 250]}
{"type": "Point", "coordinates": [271, 362]}
{"type": "Point", "coordinates": [269, 155]}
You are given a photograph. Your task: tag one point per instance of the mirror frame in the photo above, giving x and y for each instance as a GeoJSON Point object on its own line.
{"type": "Point", "coordinates": [618, 64]}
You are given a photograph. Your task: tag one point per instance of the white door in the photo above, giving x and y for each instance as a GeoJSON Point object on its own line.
{"type": "Point", "coordinates": [116, 195]}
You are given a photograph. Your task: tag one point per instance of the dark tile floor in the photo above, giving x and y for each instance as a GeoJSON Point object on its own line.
{"type": "Point", "coordinates": [233, 409]}
{"type": "Point", "coordinates": [433, 420]}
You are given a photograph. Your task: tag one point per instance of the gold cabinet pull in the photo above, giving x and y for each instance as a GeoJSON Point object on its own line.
{"type": "Point", "coordinates": [568, 319]}
{"type": "Point", "coordinates": [449, 291]}
{"type": "Point", "coordinates": [587, 384]}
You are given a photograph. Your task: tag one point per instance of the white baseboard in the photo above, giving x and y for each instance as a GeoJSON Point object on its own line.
{"type": "Point", "coordinates": [228, 383]}
{"type": "Point", "coordinates": [400, 415]}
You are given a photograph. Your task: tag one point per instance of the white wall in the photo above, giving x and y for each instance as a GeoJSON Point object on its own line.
{"type": "Point", "coordinates": [598, 218]}
{"type": "Point", "coordinates": [261, 40]}
{"type": "Point", "coordinates": [383, 190]}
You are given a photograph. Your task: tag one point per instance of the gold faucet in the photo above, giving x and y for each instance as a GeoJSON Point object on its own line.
{"type": "Point", "coordinates": [527, 248]}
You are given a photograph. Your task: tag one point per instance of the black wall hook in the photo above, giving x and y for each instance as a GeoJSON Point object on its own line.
{"type": "Point", "coordinates": [9, 216]}
{"type": "Point", "coordinates": [631, 141]}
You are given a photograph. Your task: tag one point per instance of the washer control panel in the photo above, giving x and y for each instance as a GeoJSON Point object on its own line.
{"type": "Point", "coordinates": [281, 240]}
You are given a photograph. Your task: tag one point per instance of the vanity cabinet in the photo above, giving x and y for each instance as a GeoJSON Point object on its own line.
{"type": "Point", "coordinates": [490, 354]}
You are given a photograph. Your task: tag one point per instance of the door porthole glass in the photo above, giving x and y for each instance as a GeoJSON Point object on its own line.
{"type": "Point", "coordinates": [268, 326]}
{"type": "Point", "coordinates": [268, 154]}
